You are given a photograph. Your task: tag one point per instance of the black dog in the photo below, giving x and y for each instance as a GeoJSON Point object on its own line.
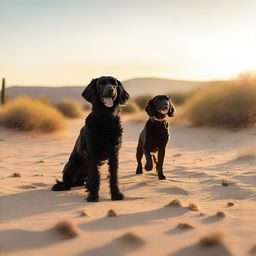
{"type": "Point", "coordinates": [99, 140]}
{"type": "Point", "coordinates": [155, 135]}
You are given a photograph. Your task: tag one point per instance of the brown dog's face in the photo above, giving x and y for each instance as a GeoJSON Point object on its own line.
{"type": "Point", "coordinates": [160, 106]}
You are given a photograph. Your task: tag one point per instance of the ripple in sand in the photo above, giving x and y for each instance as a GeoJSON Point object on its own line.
{"type": "Point", "coordinates": [84, 213]}
{"type": "Point", "coordinates": [131, 238]}
{"type": "Point", "coordinates": [173, 191]}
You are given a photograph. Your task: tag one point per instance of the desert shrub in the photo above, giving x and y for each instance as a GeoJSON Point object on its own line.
{"type": "Point", "coordinates": [142, 100]}
{"type": "Point", "coordinates": [130, 108]}
{"type": "Point", "coordinates": [86, 106]}
{"type": "Point", "coordinates": [44, 99]}
{"type": "Point", "coordinates": [180, 98]}
{"type": "Point", "coordinates": [69, 108]}
{"type": "Point", "coordinates": [27, 114]}
{"type": "Point", "coordinates": [230, 104]}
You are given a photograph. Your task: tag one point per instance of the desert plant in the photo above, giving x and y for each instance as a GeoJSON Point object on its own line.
{"type": "Point", "coordinates": [26, 114]}
{"type": "Point", "coordinates": [3, 92]}
{"type": "Point", "coordinates": [86, 106]}
{"type": "Point", "coordinates": [69, 108]}
{"type": "Point", "coordinates": [130, 108]}
{"type": "Point", "coordinates": [180, 98]}
{"type": "Point", "coordinates": [44, 99]}
{"type": "Point", "coordinates": [230, 104]}
{"type": "Point", "coordinates": [142, 100]}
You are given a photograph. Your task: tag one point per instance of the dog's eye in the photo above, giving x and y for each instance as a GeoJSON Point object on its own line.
{"type": "Point", "coordinates": [113, 82]}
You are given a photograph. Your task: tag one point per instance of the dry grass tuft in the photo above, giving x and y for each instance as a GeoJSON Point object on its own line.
{"type": "Point", "coordinates": [69, 108]}
{"type": "Point", "coordinates": [226, 183]}
{"type": "Point", "coordinates": [174, 203]}
{"type": "Point", "coordinates": [142, 100]}
{"type": "Point", "coordinates": [230, 104]}
{"type": "Point", "coordinates": [112, 213]}
{"type": "Point", "coordinates": [184, 226]}
{"type": "Point", "coordinates": [16, 174]}
{"type": "Point", "coordinates": [192, 207]}
{"type": "Point", "coordinates": [211, 239]}
{"type": "Point", "coordinates": [67, 229]}
{"type": "Point", "coordinates": [130, 108]}
{"type": "Point", "coordinates": [220, 214]}
{"type": "Point", "coordinates": [230, 204]}
{"type": "Point", "coordinates": [26, 114]}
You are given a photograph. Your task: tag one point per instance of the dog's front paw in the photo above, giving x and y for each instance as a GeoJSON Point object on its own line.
{"type": "Point", "coordinates": [117, 196]}
{"type": "Point", "coordinates": [161, 177]}
{"type": "Point", "coordinates": [139, 170]}
{"type": "Point", "coordinates": [92, 198]}
{"type": "Point", "coordinates": [149, 165]}
{"type": "Point", "coordinates": [60, 186]}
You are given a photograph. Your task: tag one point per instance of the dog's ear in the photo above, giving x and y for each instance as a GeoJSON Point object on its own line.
{"type": "Point", "coordinates": [123, 95]}
{"type": "Point", "coordinates": [171, 110]}
{"type": "Point", "coordinates": [89, 92]}
{"type": "Point", "coordinates": [150, 108]}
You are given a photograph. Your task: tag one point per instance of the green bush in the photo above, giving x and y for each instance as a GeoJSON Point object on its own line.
{"type": "Point", "coordinates": [26, 114]}
{"type": "Point", "coordinates": [69, 108]}
{"type": "Point", "coordinates": [130, 108]}
{"type": "Point", "coordinates": [231, 104]}
{"type": "Point", "coordinates": [142, 100]}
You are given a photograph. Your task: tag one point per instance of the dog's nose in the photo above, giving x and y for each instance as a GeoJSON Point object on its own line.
{"type": "Point", "coordinates": [110, 90]}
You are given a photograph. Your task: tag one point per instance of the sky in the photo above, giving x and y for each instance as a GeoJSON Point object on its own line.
{"type": "Point", "coordinates": [68, 42]}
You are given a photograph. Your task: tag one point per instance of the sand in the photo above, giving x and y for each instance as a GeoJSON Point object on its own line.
{"type": "Point", "coordinates": [197, 161]}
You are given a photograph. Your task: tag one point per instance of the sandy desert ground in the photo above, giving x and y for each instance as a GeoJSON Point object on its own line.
{"type": "Point", "coordinates": [205, 166]}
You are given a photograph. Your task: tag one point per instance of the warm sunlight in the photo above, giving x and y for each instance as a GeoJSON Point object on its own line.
{"type": "Point", "coordinates": [64, 42]}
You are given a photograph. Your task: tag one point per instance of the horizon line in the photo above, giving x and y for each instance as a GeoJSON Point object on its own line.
{"type": "Point", "coordinates": [123, 80]}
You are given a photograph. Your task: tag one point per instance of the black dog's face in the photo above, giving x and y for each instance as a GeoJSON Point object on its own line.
{"type": "Point", "coordinates": [160, 106]}
{"type": "Point", "coordinates": [106, 87]}
{"type": "Point", "coordinates": [107, 90]}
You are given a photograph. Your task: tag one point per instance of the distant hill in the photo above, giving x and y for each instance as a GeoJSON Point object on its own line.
{"type": "Point", "coordinates": [138, 86]}
{"type": "Point", "coordinates": [135, 87]}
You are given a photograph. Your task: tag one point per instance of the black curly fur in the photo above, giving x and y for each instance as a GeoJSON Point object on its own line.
{"type": "Point", "coordinates": [99, 140]}
{"type": "Point", "coordinates": [154, 137]}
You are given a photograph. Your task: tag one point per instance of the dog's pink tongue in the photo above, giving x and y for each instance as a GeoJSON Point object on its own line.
{"type": "Point", "coordinates": [164, 111]}
{"type": "Point", "coordinates": [108, 102]}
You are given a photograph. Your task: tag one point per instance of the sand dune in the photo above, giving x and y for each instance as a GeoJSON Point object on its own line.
{"type": "Point", "coordinates": [206, 167]}
{"type": "Point", "coordinates": [135, 86]}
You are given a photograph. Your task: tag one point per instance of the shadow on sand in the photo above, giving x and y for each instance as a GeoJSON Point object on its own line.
{"type": "Point", "coordinates": [26, 239]}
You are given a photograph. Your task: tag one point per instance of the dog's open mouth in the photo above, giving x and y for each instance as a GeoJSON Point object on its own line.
{"type": "Point", "coordinates": [108, 101]}
{"type": "Point", "coordinates": [164, 111]}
